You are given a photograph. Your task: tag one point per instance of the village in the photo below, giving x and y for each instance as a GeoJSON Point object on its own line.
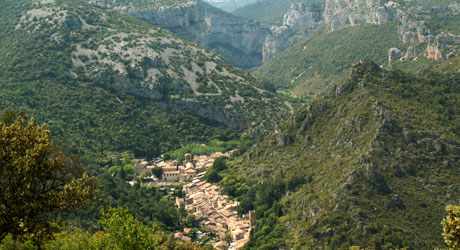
{"type": "Point", "coordinates": [171, 171]}
{"type": "Point", "coordinates": [212, 211]}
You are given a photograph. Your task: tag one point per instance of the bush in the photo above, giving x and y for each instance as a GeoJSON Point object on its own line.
{"type": "Point", "coordinates": [451, 225]}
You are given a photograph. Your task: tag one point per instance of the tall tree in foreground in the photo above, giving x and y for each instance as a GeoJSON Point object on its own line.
{"type": "Point", "coordinates": [36, 179]}
{"type": "Point", "coordinates": [451, 226]}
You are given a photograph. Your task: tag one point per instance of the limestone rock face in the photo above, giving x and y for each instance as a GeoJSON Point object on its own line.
{"type": "Point", "coordinates": [238, 40]}
{"type": "Point", "coordinates": [297, 23]}
{"type": "Point", "coordinates": [245, 43]}
{"type": "Point", "coordinates": [342, 13]}
{"type": "Point", "coordinates": [443, 42]}
{"type": "Point", "coordinates": [298, 17]}
{"type": "Point", "coordinates": [410, 53]}
{"type": "Point", "coordinates": [413, 32]}
{"type": "Point", "coordinates": [249, 43]}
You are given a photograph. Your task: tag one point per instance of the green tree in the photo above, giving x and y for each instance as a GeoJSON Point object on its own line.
{"type": "Point", "coordinates": [212, 175]}
{"type": "Point", "coordinates": [36, 178]}
{"type": "Point", "coordinates": [123, 232]}
{"type": "Point", "coordinates": [219, 164]}
{"type": "Point", "coordinates": [76, 239]}
{"type": "Point", "coordinates": [9, 243]}
{"type": "Point", "coordinates": [451, 226]}
{"type": "Point", "coordinates": [158, 172]}
{"type": "Point", "coordinates": [122, 173]}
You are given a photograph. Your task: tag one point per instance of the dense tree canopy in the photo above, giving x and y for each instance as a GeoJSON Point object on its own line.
{"type": "Point", "coordinates": [36, 178]}
{"type": "Point", "coordinates": [219, 164]}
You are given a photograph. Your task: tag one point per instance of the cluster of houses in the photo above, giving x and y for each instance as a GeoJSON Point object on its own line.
{"type": "Point", "coordinates": [217, 213]}
{"type": "Point", "coordinates": [212, 211]}
{"type": "Point", "coordinates": [172, 171]}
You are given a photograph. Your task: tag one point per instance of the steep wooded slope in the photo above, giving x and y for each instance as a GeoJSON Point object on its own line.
{"type": "Point", "coordinates": [372, 164]}
{"type": "Point", "coordinates": [314, 65]}
{"type": "Point", "coordinates": [384, 31]}
{"type": "Point", "coordinates": [102, 78]}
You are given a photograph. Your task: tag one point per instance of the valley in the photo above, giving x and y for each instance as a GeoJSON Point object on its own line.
{"type": "Point", "coordinates": [229, 124]}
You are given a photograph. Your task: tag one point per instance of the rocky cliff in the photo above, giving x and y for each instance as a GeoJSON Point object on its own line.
{"type": "Point", "coordinates": [412, 28]}
{"type": "Point", "coordinates": [245, 43]}
{"type": "Point", "coordinates": [238, 40]}
{"type": "Point", "coordinates": [342, 13]}
{"type": "Point", "coordinates": [297, 24]}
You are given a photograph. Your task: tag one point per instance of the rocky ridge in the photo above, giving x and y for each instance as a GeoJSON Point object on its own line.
{"type": "Point", "coordinates": [245, 43]}
{"type": "Point", "coordinates": [238, 40]}
{"type": "Point", "coordinates": [421, 40]}
{"type": "Point", "coordinates": [149, 62]}
{"type": "Point", "coordinates": [298, 22]}
{"type": "Point", "coordinates": [364, 152]}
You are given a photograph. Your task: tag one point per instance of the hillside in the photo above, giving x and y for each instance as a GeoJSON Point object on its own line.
{"type": "Point", "coordinates": [374, 163]}
{"type": "Point", "coordinates": [239, 41]}
{"type": "Point", "coordinates": [385, 32]}
{"type": "Point", "coordinates": [106, 81]}
{"type": "Point", "coordinates": [229, 5]}
{"type": "Point", "coordinates": [314, 65]}
{"type": "Point", "coordinates": [272, 11]}
{"type": "Point", "coordinates": [137, 5]}
{"type": "Point", "coordinates": [243, 42]}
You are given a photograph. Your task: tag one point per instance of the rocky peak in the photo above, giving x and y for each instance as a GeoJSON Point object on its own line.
{"type": "Point", "coordinates": [297, 23]}
{"type": "Point", "coordinates": [298, 17]}
{"type": "Point", "coordinates": [342, 13]}
{"type": "Point", "coordinates": [415, 33]}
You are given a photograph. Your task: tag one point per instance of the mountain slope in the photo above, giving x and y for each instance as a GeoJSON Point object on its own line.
{"type": "Point", "coordinates": [372, 164]}
{"type": "Point", "coordinates": [245, 43]}
{"type": "Point", "coordinates": [65, 59]}
{"type": "Point", "coordinates": [384, 31]}
{"type": "Point", "coordinates": [229, 5]}
{"type": "Point", "coordinates": [312, 66]}
{"type": "Point", "coordinates": [240, 41]}
{"type": "Point", "coordinates": [272, 11]}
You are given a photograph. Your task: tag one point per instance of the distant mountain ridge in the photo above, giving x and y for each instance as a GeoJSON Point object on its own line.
{"type": "Point", "coordinates": [245, 43]}
{"type": "Point", "coordinates": [272, 11]}
{"type": "Point", "coordinates": [424, 30]}
{"type": "Point", "coordinates": [230, 5]}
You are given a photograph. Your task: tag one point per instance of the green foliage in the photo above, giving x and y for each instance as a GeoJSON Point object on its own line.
{"type": "Point", "coordinates": [122, 231]}
{"type": "Point", "coordinates": [9, 243]}
{"type": "Point", "coordinates": [158, 172]}
{"type": "Point", "coordinates": [36, 178]}
{"type": "Point", "coordinates": [313, 66]}
{"type": "Point", "coordinates": [272, 11]}
{"type": "Point", "coordinates": [212, 175]}
{"type": "Point", "coordinates": [75, 239]}
{"type": "Point", "coordinates": [365, 154]}
{"type": "Point", "coordinates": [87, 111]}
{"type": "Point", "coordinates": [144, 203]}
{"type": "Point", "coordinates": [451, 226]}
{"type": "Point", "coordinates": [219, 164]}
